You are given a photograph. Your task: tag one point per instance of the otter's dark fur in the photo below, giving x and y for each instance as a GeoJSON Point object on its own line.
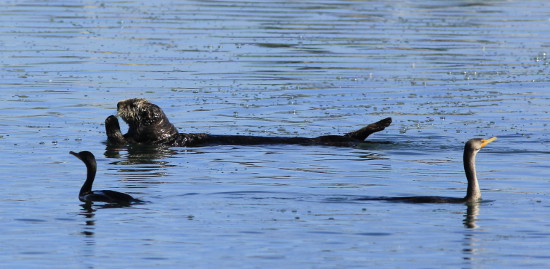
{"type": "Point", "coordinates": [147, 124]}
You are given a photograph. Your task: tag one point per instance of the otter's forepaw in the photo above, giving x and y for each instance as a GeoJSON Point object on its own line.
{"type": "Point", "coordinates": [111, 124]}
{"type": "Point", "coordinates": [112, 128]}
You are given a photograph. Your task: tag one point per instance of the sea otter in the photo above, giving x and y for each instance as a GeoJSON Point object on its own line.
{"type": "Point", "coordinates": [147, 124]}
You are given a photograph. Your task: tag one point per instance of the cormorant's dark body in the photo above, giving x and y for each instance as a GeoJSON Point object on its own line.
{"type": "Point", "coordinates": [87, 195]}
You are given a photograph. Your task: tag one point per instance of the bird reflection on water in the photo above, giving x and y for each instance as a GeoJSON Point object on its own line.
{"type": "Point", "coordinates": [470, 217]}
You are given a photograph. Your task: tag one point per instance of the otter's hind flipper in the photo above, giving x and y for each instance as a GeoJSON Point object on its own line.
{"type": "Point", "coordinates": [364, 132]}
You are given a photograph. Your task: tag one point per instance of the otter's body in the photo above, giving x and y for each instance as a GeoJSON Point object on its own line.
{"type": "Point", "coordinates": [147, 124]}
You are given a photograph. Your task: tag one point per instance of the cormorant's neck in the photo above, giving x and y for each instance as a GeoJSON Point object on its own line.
{"type": "Point", "coordinates": [474, 193]}
{"type": "Point", "coordinates": [91, 170]}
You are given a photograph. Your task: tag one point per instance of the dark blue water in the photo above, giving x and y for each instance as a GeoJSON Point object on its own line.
{"type": "Point", "coordinates": [445, 72]}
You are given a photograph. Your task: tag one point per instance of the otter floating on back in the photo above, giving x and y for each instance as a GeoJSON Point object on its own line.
{"type": "Point", "coordinates": [147, 124]}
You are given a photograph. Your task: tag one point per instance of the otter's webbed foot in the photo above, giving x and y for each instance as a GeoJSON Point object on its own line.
{"type": "Point", "coordinates": [364, 132]}
{"type": "Point", "coordinates": [112, 128]}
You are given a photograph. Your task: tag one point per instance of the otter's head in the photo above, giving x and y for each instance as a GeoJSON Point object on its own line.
{"type": "Point", "coordinates": [138, 112]}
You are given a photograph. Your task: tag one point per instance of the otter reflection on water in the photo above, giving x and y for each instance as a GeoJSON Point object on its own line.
{"type": "Point", "coordinates": [147, 124]}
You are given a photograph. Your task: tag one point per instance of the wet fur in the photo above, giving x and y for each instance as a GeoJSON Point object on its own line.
{"type": "Point", "coordinates": [147, 124]}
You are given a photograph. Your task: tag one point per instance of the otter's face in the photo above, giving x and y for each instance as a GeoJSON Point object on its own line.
{"type": "Point", "coordinates": [138, 112]}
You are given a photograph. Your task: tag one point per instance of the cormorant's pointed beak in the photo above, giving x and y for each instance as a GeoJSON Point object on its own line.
{"type": "Point", "coordinates": [75, 154]}
{"type": "Point", "coordinates": [484, 142]}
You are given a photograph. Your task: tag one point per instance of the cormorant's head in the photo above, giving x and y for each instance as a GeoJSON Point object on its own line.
{"type": "Point", "coordinates": [475, 144]}
{"type": "Point", "coordinates": [85, 156]}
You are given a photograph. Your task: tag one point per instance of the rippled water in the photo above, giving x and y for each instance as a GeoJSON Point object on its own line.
{"type": "Point", "coordinates": [445, 71]}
